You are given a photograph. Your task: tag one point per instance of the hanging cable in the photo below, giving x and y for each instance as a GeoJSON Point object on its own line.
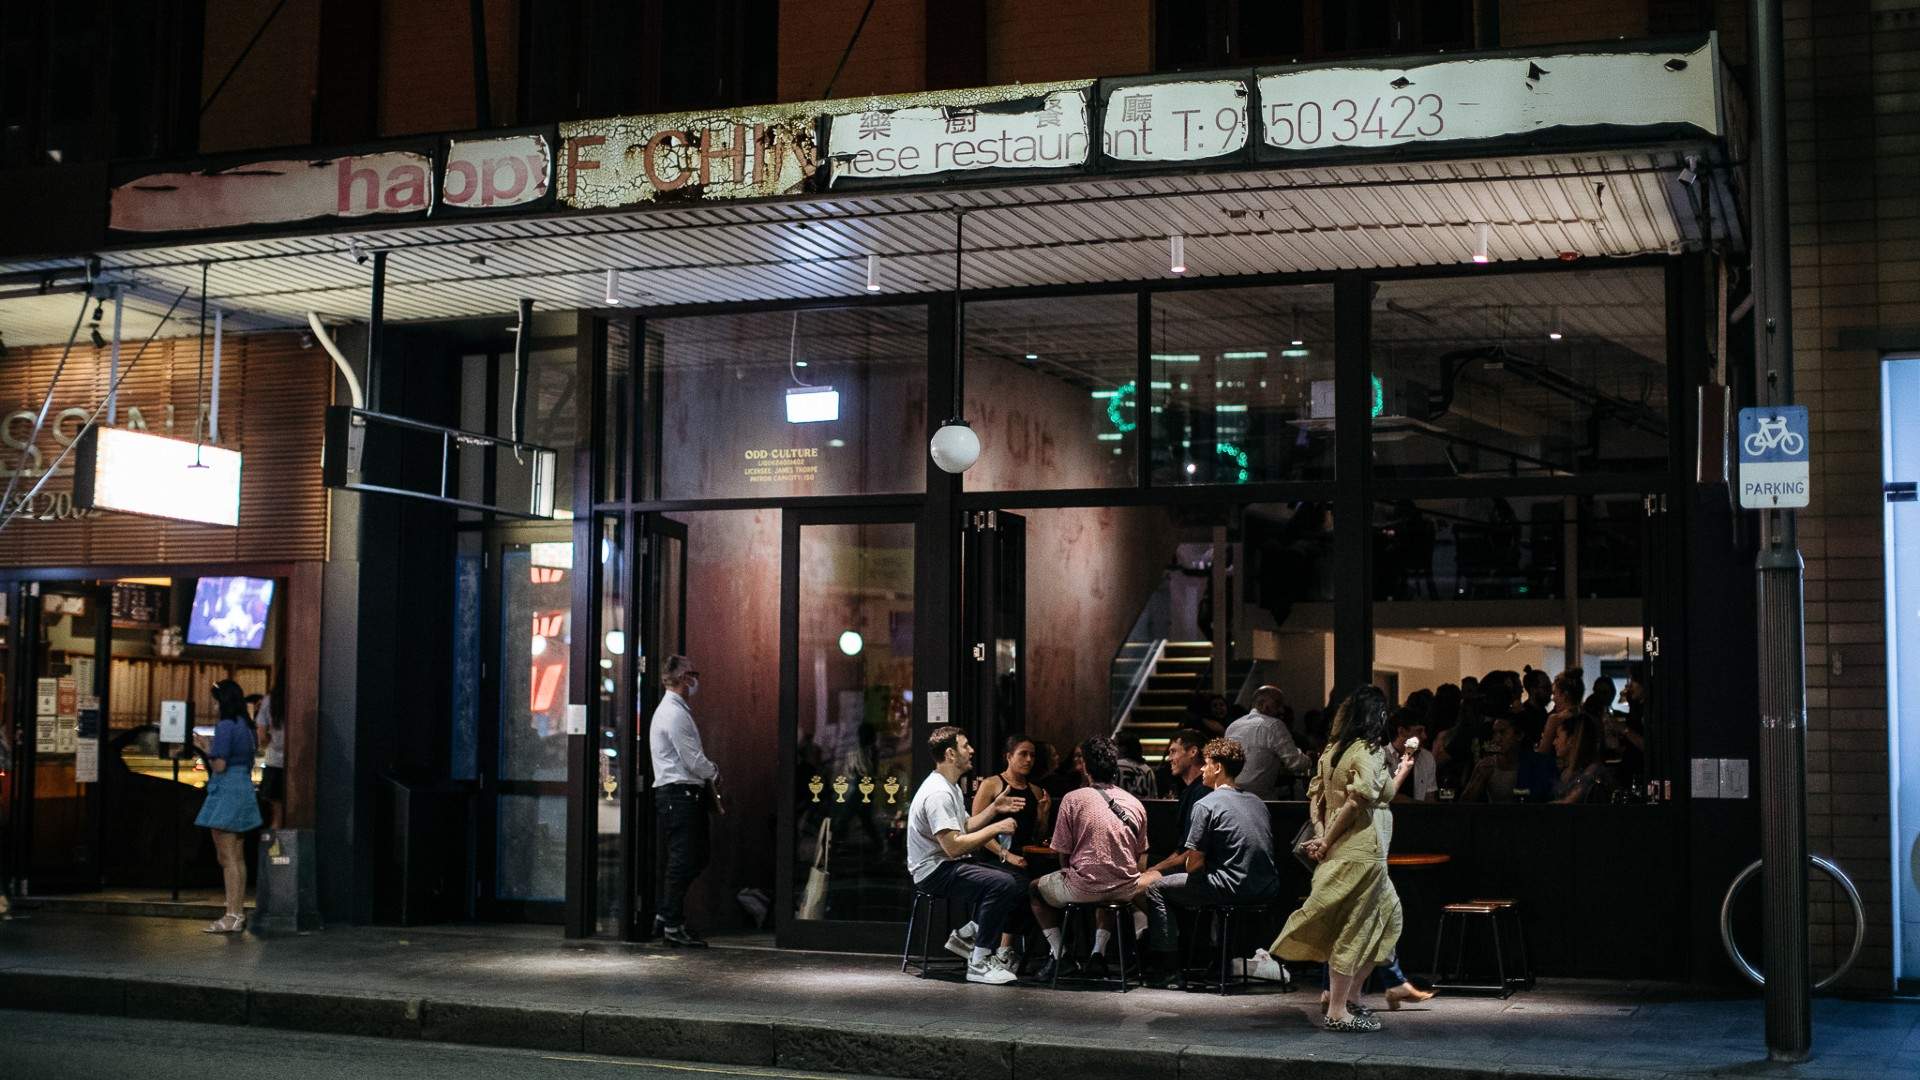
{"type": "Point", "coordinates": [200, 375]}
{"type": "Point", "coordinates": [40, 420]}
{"type": "Point", "coordinates": [842, 66]}
{"type": "Point", "coordinates": [793, 340]}
{"type": "Point", "coordinates": [27, 499]}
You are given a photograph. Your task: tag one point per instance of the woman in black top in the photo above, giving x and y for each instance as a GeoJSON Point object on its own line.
{"type": "Point", "coordinates": [1031, 824]}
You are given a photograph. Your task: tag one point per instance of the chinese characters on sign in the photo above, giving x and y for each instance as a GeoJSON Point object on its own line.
{"type": "Point", "coordinates": [1176, 121]}
{"type": "Point", "coordinates": [1049, 131]}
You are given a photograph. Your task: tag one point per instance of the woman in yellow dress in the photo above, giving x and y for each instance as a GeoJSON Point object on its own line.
{"type": "Point", "coordinates": [1351, 920]}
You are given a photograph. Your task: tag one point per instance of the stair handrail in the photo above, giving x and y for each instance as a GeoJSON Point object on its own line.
{"type": "Point", "coordinates": [1138, 683]}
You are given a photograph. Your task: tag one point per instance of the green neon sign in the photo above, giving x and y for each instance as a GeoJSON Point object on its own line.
{"type": "Point", "coordinates": [1379, 396]}
{"type": "Point", "coordinates": [1128, 393]}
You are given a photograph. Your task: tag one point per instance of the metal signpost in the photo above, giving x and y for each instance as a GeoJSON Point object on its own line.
{"type": "Point", "coordinates": [1782, 646]}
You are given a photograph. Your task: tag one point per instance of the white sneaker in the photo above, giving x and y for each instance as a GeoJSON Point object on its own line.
{"type": "Point", "coordinates": [1008, 956]}
{"type": "Point", "coordinates": [990, 971]}
{"type": "Point", "coordinates": [961, 947]}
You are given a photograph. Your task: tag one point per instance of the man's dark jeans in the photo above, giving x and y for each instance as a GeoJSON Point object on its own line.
{"type": "Point", "coordinates": [1182, 890]}
{"type": "Point", "coordinates": [993, 892]}
{"type": "Point", "coordinates": [684, 831]}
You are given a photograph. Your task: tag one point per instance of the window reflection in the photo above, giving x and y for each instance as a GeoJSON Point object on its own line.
{"type": "Point", "coordinates": [1242, 385]}
{"type": "Point", "coordinates": [1521, 374]}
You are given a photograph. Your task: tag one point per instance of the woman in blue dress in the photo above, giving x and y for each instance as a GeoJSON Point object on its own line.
{"type": "Point", "coordinates": [231, 811]}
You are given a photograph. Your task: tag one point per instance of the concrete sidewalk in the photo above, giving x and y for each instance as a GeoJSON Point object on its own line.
{"type": "Point", "coordinates": [526, 987]}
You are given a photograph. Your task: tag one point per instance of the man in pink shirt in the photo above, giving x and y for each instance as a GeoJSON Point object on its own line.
{"type": "Point", "coordinates": [1100, 833]}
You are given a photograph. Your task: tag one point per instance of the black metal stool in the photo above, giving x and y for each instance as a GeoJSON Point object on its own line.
{"type": "Point", "coordinates": [1088, 913]}
{"type": "Point", "coordinates": [922, 899]}
{"type": "Point", "coordinates": [1220, 918]}
{"type": "Point", "coordinates": [1465, 915]}
{"type": "Point", "coordinates": [1507, 921]}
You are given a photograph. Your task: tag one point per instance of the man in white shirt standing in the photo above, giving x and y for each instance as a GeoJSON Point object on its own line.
{"type": "Point", "coordinates": [1272, 755]}
{"type": "Point", "coordinates": [681, 774]}
{"type": "Point", "coordinates": [940, 836]}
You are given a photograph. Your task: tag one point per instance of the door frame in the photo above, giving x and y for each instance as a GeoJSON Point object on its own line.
{"type": "Point", "coordinates": [639, 845]}
{"type": "Point", "coordinates": [23, 670]}
{"type": "Point", "coordinates": [487, 906]}
{"type": "Point", "coordinates": [844, 935]}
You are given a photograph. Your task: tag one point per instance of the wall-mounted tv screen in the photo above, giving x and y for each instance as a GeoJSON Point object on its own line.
{"type": "Point", "coordinates": [230, 612]}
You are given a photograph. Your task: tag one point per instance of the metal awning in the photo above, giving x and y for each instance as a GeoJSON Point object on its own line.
{"type": "Point", "coordinates": [1109, 229]}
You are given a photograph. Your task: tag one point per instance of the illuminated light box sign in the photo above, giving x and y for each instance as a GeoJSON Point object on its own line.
{"type": "Point", "coordinates": [154, 476]}
{"type": "Point", "coordinates": [812, 404]}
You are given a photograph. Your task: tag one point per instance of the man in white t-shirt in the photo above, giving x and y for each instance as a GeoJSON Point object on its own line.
{"type": "Point", "coordinates": [940, 836]}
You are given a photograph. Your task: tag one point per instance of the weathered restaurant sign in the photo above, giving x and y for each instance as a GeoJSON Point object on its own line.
{"type": "Point", "coordinates": [1510, 99]}
{"type": "Point", "coordinates": [1331, 108]}
{"type": "Point", "coordinates": [473, 174]}
{"type": "Point", "coordinates": [1168, 121]}
{"type": "Point", "coordinates": [394, 182]}
{"type": "Point", "coordinates": [634, 160]}
{"type": "Point", "coordinates": [1050, 130]}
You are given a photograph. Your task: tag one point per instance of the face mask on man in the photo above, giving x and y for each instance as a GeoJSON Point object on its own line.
{"type": "Point", "coordinates": [693, 687]}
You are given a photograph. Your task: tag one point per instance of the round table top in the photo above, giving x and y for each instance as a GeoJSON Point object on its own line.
{"type": "Point", "coordinates": [1417, 861]}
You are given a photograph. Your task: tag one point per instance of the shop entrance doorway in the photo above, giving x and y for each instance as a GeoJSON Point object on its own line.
{"type": "Point", "coordinates": [846, 733]}
{"type": "Point", "coordinates": [93, 800]}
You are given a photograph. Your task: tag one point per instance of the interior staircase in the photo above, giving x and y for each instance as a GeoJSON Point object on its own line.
{"type": "Point", "coordinates": [1161, 708]}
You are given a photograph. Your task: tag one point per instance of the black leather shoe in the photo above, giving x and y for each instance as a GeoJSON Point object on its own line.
{"type": "Point", "coordinates": [682, 937]}
{"type": "Point", "coordinates": [1056, 968]}
{"type": "Point", "coordinates": [1095, 967]}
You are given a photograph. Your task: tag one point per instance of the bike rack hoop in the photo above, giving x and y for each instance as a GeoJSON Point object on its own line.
{"type": "Point", "coordinates": [1839, 877]}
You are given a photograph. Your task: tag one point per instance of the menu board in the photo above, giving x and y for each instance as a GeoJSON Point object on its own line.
{"type": "Point", "coordinates": [46, 697]}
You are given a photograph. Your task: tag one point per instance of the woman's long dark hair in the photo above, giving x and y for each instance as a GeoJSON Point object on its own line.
{"type": "Point", "coordinates": [232, 700]}
{"type": "Point", "coordinates": [1362, 718]}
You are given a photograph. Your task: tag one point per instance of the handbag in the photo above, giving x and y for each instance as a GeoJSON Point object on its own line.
{"type": "Point", "coordinates": [813, 900]}
{"type": "Point", "coordinates": [1300, 839]}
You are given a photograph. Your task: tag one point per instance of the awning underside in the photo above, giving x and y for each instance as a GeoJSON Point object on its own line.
{"type": "Point", "coordinates": [1111, 229]}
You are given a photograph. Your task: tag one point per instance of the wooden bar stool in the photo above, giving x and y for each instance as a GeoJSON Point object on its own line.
{"type": "Point", "coordinates": [1087, 915]}
{"type": "Point", "coordinates": [1507, 920]}
{"type": "Point", "coordinates": [922, 899]}
{"type": "Point", "coordinates": [1464, 915]}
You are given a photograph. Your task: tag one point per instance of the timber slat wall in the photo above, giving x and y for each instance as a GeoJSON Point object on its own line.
{"type": "Point", "coordinates": [273, 399]}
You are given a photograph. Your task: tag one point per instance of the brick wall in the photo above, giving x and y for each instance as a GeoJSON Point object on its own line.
{"type": "Point", "coordinates": [1545, 22]}
{"type": "Point", "coordinates": [889, 58]}
{"type": "Point", "coordinates": [1853, 70]}
{"type": "Point", "coordinates": [1068, 39]}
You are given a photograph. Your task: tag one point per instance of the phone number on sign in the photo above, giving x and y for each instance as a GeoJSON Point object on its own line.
{"type": "Point", "coordinates": [1347, 120]}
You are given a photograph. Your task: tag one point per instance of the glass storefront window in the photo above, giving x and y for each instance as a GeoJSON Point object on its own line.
{"type": "Point", "coordinates": [854, 744]}
{"type": "Point", "coordinates": [1545, 374]}
{"type": "Point", "coordinates": [616, 398]}
{"type": "Point", "coordinates": [1052, 392]}
{"type": "Point", "coordinates": [535, 628]}
{"type": "Point", "coordinates": [1242, 388]}
{"type": "Point", "coordinates": [615, 695]}
{"type": "Point", "coordinates": [822, 401]}
{"type": "Point", "coordinates": [1509, 548]}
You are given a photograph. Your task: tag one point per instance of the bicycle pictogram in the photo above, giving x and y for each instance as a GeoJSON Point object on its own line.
{"type": "Point", "coordinates": [1773, 434]}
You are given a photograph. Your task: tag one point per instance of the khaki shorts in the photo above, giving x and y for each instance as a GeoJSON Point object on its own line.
{"type": "Point", "coordinates": [1055, 891]}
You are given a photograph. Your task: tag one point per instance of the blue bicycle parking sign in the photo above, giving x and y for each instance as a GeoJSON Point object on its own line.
{"type": "Point", "coordinates": [1774, 449]}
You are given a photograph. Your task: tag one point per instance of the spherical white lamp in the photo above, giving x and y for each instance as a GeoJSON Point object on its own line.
{"type": "Point", "coordinates": [955, 447]}
{"type": "Point", "coordinates": [851, 642]}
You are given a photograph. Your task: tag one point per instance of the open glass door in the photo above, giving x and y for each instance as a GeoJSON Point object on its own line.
{"type": "Point", "coordinates": [62, 634]}
{"type": "Point", "coordinates": [994, 562]}
{"type": "Point", "coordinates": [847, 598]}
{"type": "Point", "coordinates": [523, 758]}
{"type": "Point", "coordinates": [662, 588]}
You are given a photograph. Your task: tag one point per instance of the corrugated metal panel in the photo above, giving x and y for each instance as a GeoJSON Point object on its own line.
{"type": "Point", "coordinates": [273, 398]}
{"type": "Point", "coordinates": [1384, 215]}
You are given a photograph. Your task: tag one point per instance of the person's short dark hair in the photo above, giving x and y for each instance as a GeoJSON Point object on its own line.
{"type": "Point", "coordinates": [1228, 754]}
{"type": "Point", "coordinates": [1102, 759]}
{"type": "Point", "coordinates": [677, 670]}
{"type": "Point", "coordinates": [942, 740]}
{"type": "Point", "coordinates": [1014, 740]}
{"type": "Point", "coordinates": [1191, 738]}
{"type": "Point", "coordinates": [1130, 748]}
{"type": "Point", "coordinates": [1269, 700]}
{"type": "Point", "coordinates": [1404, 719]}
